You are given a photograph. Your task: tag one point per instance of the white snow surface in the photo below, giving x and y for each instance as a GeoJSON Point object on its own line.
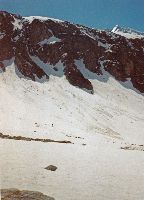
{"type": "Point", "coordinates": [127, 32]}
{"type": "Point", "coordinates": [1, 35]}
{"type": "Point", "coordinates": [111, 118]}
{"type": "Point", "coordinates": [17, 24]}
{"type": "Point", "coordinates": [51, 40]}
{"type": "Point", "coordinates": [31, 18]}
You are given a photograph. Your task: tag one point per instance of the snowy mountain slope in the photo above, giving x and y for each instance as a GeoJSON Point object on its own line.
{"type": "Point", "coordinates": [127, 32]}
{"type": "Point", "coordinates": [110, 119]}
{"type": "Point", "coordinates": [55, 102]}
{"type": "Point", "coordinates": [43, 64]}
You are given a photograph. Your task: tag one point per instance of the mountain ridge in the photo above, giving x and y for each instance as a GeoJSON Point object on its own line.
{"type": "Point", "coordinates": [43, 46]}
{"type": "Point", "coordinates": [127, 32]}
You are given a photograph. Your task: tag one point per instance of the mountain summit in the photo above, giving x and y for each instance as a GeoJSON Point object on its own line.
{"type": "Point", "coordinates": [127, 32]}
{"type": "Point", "coordinates": [41, 47]}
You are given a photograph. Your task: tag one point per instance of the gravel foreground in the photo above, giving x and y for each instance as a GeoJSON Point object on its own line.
{"type": "Point", "coordinates": [15, 194]}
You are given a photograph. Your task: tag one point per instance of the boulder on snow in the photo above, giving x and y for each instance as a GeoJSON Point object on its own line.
{"type": "Point", "coordinates": [51, 168]}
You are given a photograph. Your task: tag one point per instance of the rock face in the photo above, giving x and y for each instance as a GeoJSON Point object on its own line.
{"type": "Point", "coordinates": [41, 47]}
{"type": "Point", "coordinates": [14, 194]}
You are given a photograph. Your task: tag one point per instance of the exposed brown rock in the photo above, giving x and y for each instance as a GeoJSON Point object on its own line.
{"type": "Point", "coordinates": [134, 147]}
{"type": "Point", "coordinates": [15, 194]}
{"type": "Point", "coordinates": [9, 137]}
{"type": "Point", "coordinates": [75, 77]}
{"type": "Point", "coordinates": [51, 168]}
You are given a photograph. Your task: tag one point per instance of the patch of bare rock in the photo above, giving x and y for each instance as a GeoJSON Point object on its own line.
{"type": "Point", "coordinates": [139, 147]}
{"type": "Point", "coordinates": [2, 136]}
{"type": "Point", "coordinates": [15, 194]}
{"type": "Point", "coordinates": [51, 168]}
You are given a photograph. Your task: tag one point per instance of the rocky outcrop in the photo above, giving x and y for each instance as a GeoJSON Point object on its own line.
{"type": "Point", "coordinates": [28, 139]}
{"type": "Point", "coordinates": [15, 194]}
{"type": "Point", "coordinates": [38, 45]}
{"type": "Point", "coordinates": [75, 77]}
{"type": "Point", "coordinates": [51, 168]}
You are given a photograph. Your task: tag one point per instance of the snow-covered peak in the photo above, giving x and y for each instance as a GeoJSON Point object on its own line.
{"type": "Point", "coordinates": [127, 32]}
{"type": "Point", "coordinates": [17, 24]}
{"type": "Point", "coordinates": [31, 18]}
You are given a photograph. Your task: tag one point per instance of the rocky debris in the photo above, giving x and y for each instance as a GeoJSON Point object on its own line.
{"type": "Point", "coordinates": [38, 46]}
{"type": "Point", "coordinates": [51, 168]}
{"type": "Point", "coordinates": [2, 136]}
{"type": "Point", "coordinates": [137, 147]}
{"type": "Point", "coordinates": [15, 194]}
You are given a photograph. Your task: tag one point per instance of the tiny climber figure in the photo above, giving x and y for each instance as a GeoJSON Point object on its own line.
{"type": "Point", "coordinates": [52, 125]}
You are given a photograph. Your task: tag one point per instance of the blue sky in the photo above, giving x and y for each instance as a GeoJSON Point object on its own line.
{"type": "Point", "coordinates": [93, 13]}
